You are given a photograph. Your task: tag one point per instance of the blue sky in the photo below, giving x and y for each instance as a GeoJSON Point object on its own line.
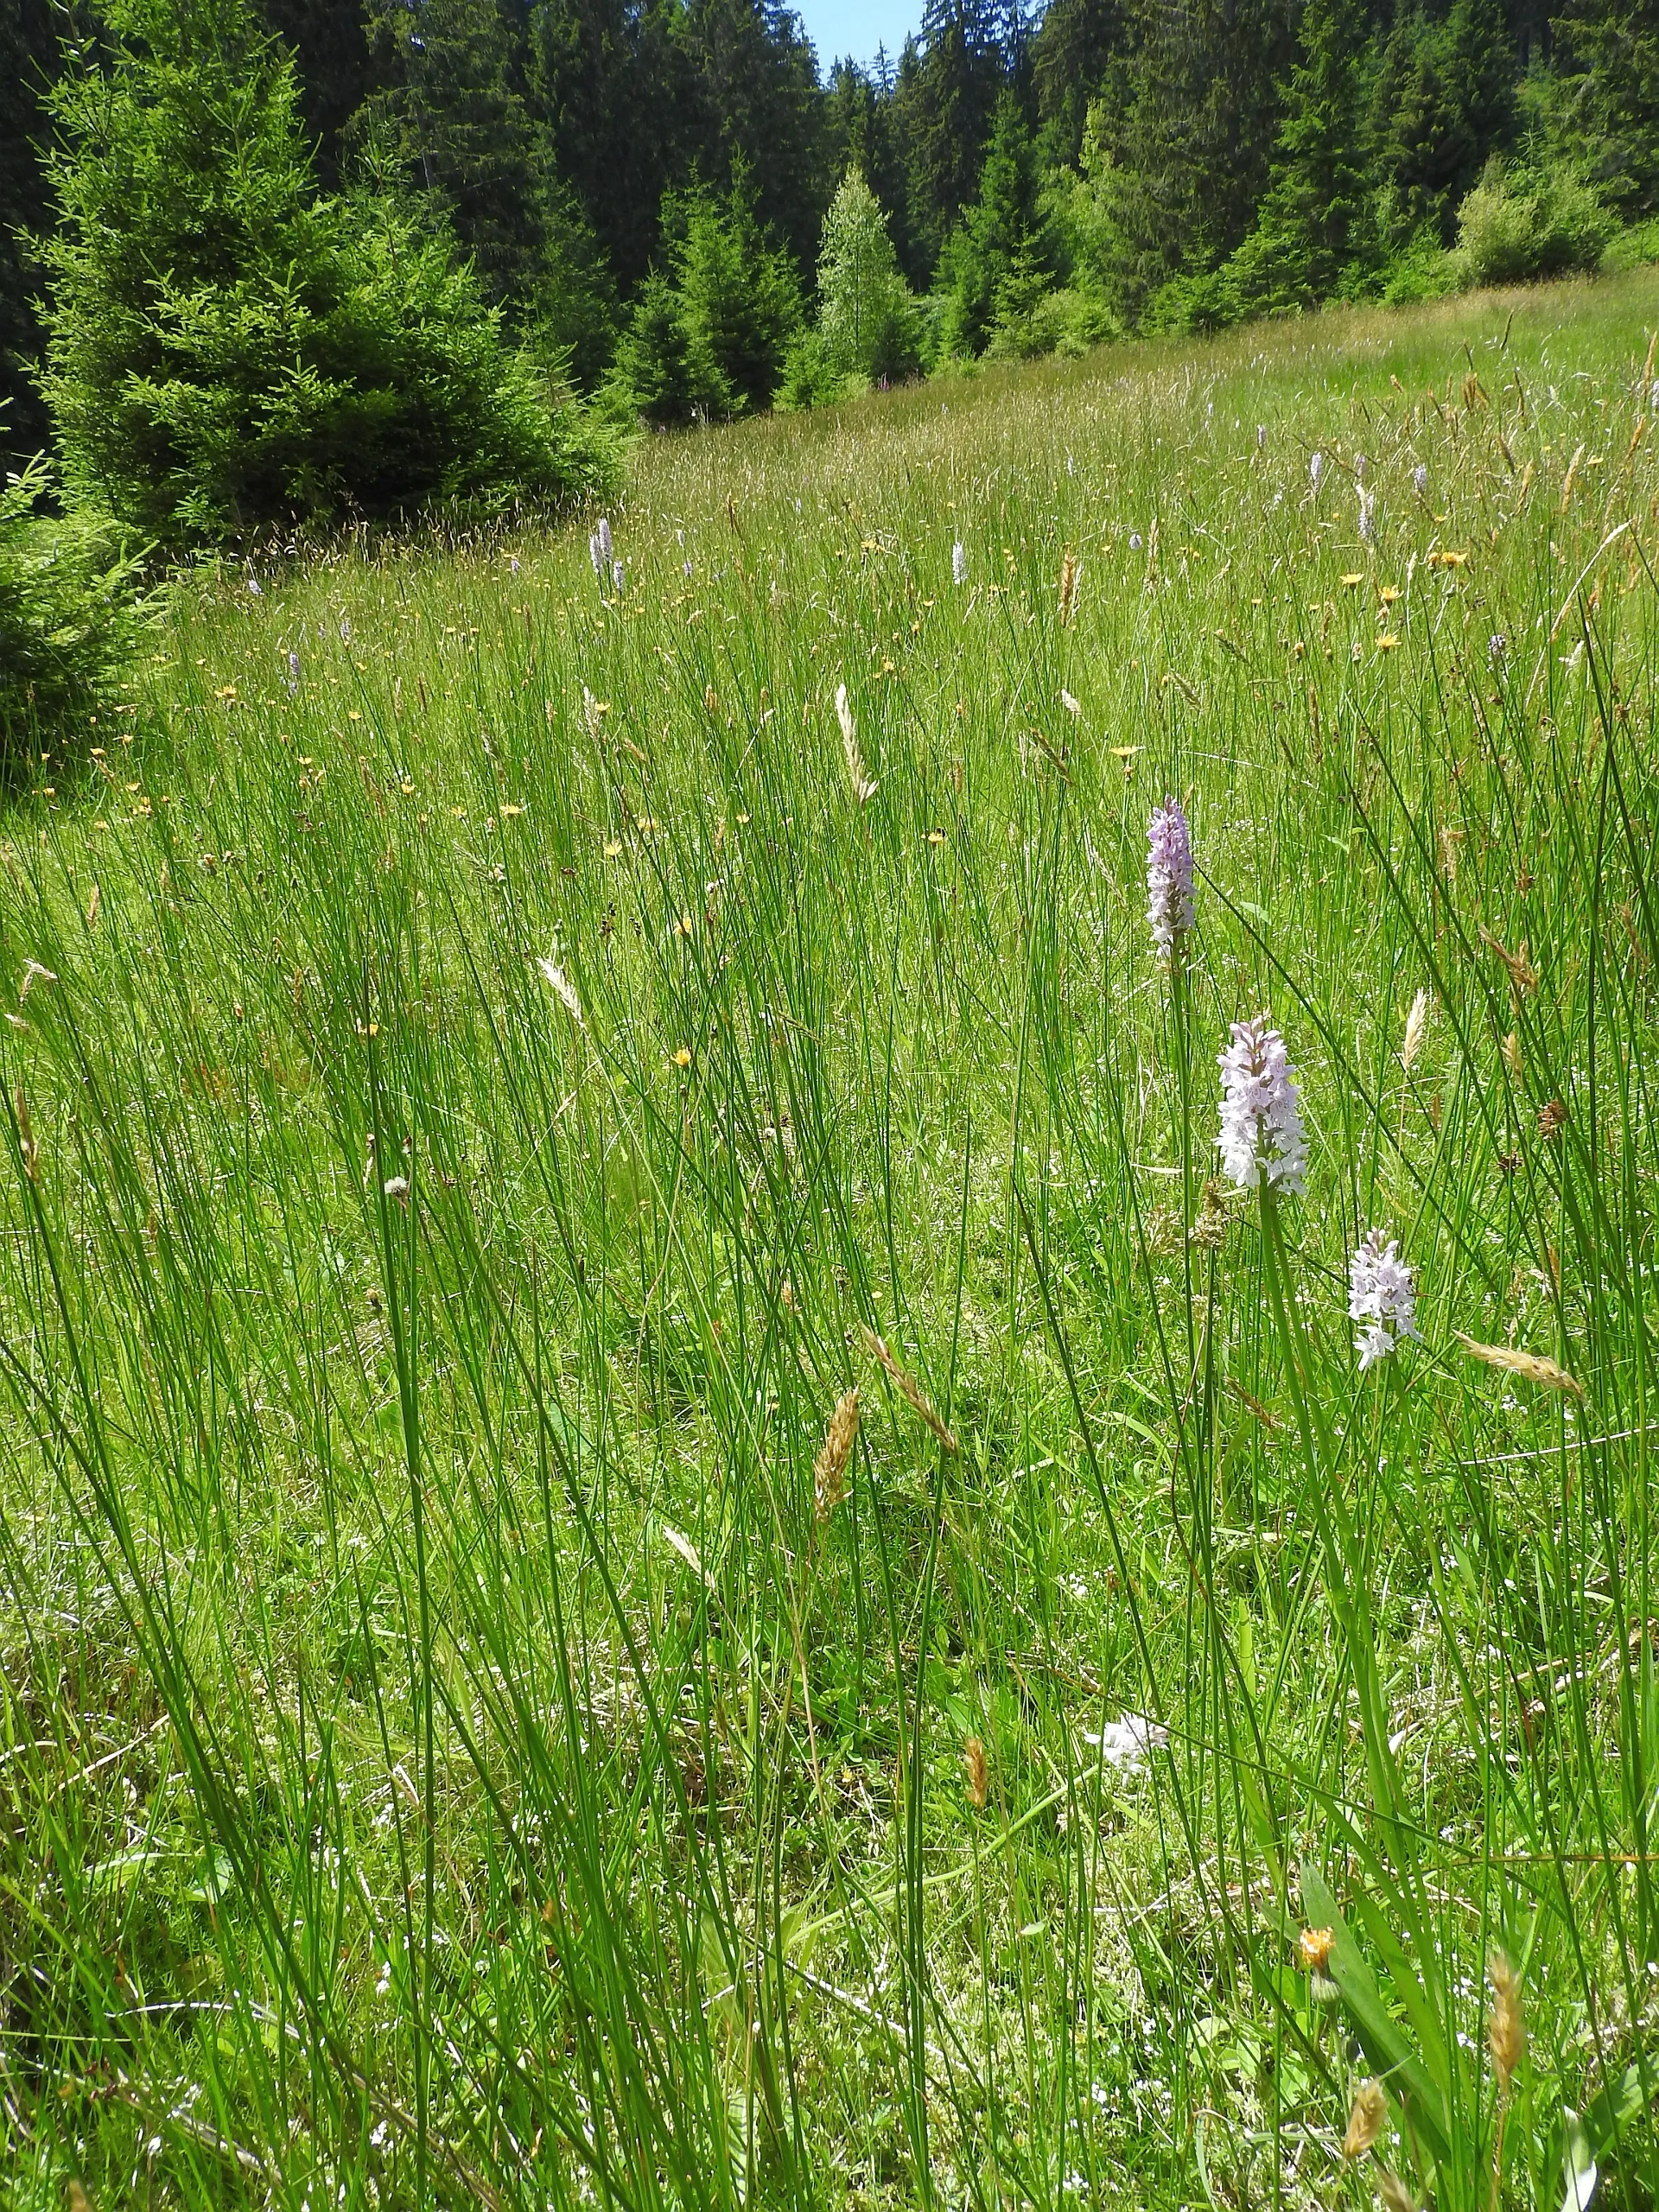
{"type": "Point", "coordinates": [857, 27]}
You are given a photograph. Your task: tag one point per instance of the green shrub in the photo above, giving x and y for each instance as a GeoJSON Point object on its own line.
{"type": "Point", "coordinates": [1422, 270]}
{"type": "Point", "coordinates": [227, 351]}
{"type": "Point", "coordinates": [1513, 227]}
{"type": "Point", "coordinates": [68, 614]}
{"type": "Point", "coordinates": [812, 379]}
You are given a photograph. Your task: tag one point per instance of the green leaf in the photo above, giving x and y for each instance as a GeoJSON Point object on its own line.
{"type": "Point", "coordinates": [1381, 2036]}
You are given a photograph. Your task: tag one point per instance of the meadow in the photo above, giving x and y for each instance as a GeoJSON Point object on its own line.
{"type": "Point", "coordinates": [495, 1058]}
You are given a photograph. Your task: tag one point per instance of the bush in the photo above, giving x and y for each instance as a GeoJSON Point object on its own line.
{"type": "Point", "coordinates": [226, 351]}
{"type": "Point", "coordinates": [812, 379]}
{"type": "Point", "coordinates": [68, 614]}
{"type": "Point", "coordinates": [1422, 270]}
{"type": "Point", "coordinates": [1513, 227]}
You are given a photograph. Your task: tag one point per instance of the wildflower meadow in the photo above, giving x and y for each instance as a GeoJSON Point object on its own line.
{"type": "Point", "coordinates": [825, 1335]}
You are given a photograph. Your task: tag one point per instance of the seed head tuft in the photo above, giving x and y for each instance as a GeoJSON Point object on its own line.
{"type": "Point", "coordinates": [1506, 2026]}
{"type": "Point", "coordinates": [829, 1468]}
{"type": "Point", "coordinates": [978, 1774]}
{"type": "Point", "coordinates": [1366, 2120]}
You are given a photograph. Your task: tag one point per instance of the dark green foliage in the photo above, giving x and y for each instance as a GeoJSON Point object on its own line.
{"type": "Point", "coordinates": [69, 616]}
{"type": "Point", "coordinates": [452, 131]}
{"type": "Point", "coordinates": [27, 60]}
{"type": "Point", "coordinates": [1186, 135]}
{"type": "Point", "coordinates": [1612, 107]}
{"type": "Point", "coordinates": [999, 254]}
{"type": "Point", "coordinates": [1311, 235]}
{"type": "Point", "coordinates": [1075, 47]}
{"type": "Point", "coordinates": [226, 351]}
{"type": "Point", "coordinates": [334, 69]}
{"type": "Point", "coordinates": [948, 93]}
{"type": "Point", "coordinates": [710, 341]}
{"type": "Point", "coordinates": [452, 124]}
{"type": "Point", "coordinates": [760, 116]}
{"type": "Point", "coordinates": [1444, 102]}
{"type": "Point", "coordinates": [740, 302]}
{"type": "Point", "coordinates": [614, 85]}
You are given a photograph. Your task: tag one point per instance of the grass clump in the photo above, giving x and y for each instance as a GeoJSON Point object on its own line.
{"type": "Point", "coordinates": [675, 1535]}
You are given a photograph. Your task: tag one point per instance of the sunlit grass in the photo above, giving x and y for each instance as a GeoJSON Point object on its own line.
{"type": "Point", "coordinates": [485, 1077]}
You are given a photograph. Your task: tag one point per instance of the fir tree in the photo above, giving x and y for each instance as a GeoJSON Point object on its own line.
{"type": "Point", "coordinates": [226, 350]}
{"type": "Point", "coordinates": [712, 339]}
{"type": "Point", "coordinates": [740, 302]}
{"type": "Point", "coordinates": [1612, 50]}
{"type": "Point", "coordinates": [999, 251]}
{"type": "Point", "coordinates": [652, 372]}
{"type": "Point", "coordinates": [1311, 228]}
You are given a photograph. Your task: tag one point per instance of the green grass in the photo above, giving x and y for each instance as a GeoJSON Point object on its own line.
{"type": "Point", "coordinates": [447, 1759]}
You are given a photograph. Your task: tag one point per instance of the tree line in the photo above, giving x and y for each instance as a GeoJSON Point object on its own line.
{"type": "Point", "coordinates": [669, 205]}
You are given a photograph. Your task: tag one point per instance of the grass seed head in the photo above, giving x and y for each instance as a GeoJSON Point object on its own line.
{"type": "Point", "coordinates": [1506, 2026]}
{"type": "Point", "coordinates": [978, 1773]}
{"type": "Point", "coordinates": [829, 1468]}
{"type": "Point", "coordinates": [1416, 1029]}
{"type": "Point", "coordinates": [909, 1390]}
{"type": "Point", "coordinates": [1366, 2120]}
{"type": "Point", "coordinates": [1530, 1366]}
{"type": "Point", "coordinates": [862, 782]}
{"type": "Point", "coordinates": [1523, 976]}
{"type": "Point", "coordinates": [1069, 573]}
{"type": "Point", "coordinates": [27, 1141]}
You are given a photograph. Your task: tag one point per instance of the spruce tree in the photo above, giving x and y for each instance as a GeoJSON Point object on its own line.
{"type": "Point", "coordinates": [1310, 230]}
{"type": "Point", "coordinates": [951, 100]}
{"type": "Point", "coordinates": [998, 257]}
{"type": "Point", "coordinates": [1185, 138]}
{"type": "Point", "coordinates": [613, 84]}
{"type": "Point", "coordinates": [740, 302]}
{"type": "Point", "coordinates": [1071, 55]}
{"type": "Point", "coordinates": [761, 116]}
{"type": "Point", "coordinates": [334, 69]}
{"type": "Point", "coordinates": [1610, 50]}
{"type": "Point", "coordinates": [27, 62]}
{"type": "Point", "coordinates": [711, 340]}
{"type": "Point", "coordinates": [225, 349]}
{"type": "Point", "coordinates": [1443, 103]}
